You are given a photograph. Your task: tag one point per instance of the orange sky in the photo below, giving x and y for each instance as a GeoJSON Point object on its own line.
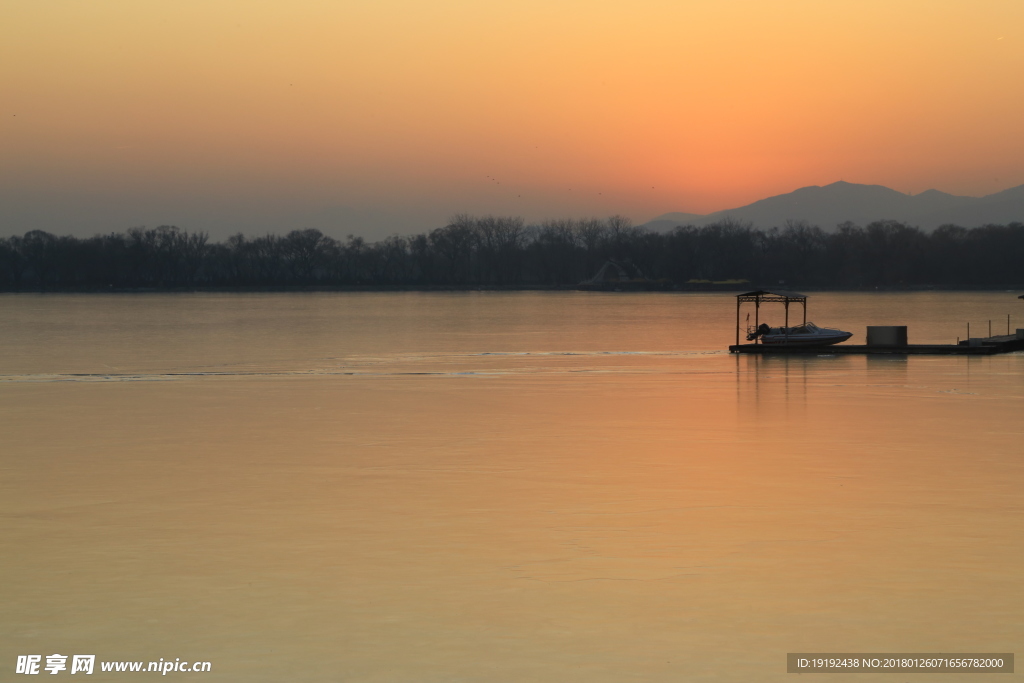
{"type": "Point", "coordinates": [387, 116]}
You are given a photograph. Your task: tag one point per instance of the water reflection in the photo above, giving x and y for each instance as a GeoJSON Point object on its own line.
{"type": "Point", "coordinates": [567, 488]}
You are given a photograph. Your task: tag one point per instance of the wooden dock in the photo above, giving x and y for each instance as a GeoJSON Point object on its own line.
{"type": "Point", "coordinates": [985, 346]}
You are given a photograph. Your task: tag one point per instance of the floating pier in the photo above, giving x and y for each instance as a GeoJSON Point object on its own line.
{"type": "Point", "coordinates": [882, 340]}
{"type": "Point", "coordinates": [989, 346]}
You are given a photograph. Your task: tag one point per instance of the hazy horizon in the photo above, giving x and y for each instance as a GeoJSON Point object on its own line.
{"type": "Point", "coordinates": [381, 118]}
{"type": "Point", "coordinates": [336, 222]}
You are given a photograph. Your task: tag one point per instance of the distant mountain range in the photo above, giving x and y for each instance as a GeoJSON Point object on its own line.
{"type": "Point", "coordinates": [839, 202]}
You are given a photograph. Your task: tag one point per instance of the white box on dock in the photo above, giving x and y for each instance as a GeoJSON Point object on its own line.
{"type": "Point", "coordinates": [887, 335]}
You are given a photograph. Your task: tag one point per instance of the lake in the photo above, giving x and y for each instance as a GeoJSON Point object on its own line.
{"type": "Point", "coordinates": [484, 486]}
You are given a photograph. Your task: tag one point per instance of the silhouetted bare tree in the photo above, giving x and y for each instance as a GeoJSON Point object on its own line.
{"type": "Point", "coordinates": [504, 251]}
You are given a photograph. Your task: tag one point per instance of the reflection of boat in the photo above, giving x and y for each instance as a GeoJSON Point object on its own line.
{"type": "Point", "coordinates": [807, 334]}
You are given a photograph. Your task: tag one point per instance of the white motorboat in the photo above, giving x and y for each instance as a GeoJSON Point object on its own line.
{"type": "Point", "coordinates": [807, 334]}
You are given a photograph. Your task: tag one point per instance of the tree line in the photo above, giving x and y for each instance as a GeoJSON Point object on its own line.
{"type": "Point", "coordinates": [506, 252]}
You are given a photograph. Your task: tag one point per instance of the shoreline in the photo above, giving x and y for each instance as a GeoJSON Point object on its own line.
{"type": "Point", "coordinates": [697, 288]}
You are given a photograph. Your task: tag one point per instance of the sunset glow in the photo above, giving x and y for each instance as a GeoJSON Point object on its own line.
{"type": "Point", "coordinates": [381, 117]}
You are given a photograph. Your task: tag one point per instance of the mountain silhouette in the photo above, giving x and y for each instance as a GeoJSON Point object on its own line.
{"type": "Point", "coordinates": [839, 202]}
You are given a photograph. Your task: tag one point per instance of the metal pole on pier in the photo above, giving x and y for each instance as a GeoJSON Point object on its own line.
{"type": "Point", "coordinates": [738, 321]}
{"type": "Point", "coordinates": [757, 316]}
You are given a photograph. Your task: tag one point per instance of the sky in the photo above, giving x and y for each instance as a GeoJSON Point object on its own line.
{"type": "Point", "coordinates": [388, 116]}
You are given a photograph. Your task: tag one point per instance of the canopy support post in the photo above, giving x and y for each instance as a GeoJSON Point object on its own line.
{"type": "Point", "coordinates": [757, 317]}
{"type": "Point", "coordinates": [737, 321]}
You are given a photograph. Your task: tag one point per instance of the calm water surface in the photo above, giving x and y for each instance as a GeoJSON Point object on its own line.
{"type": "Point", "coordinates": [500, 487]}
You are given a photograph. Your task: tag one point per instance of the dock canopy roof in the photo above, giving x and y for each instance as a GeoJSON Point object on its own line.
{"type": "Point", "coordinates": [762, 295]}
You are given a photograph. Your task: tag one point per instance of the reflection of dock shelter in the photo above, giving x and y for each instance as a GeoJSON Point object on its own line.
{"type": "Point", "coordinates": [762, 297]}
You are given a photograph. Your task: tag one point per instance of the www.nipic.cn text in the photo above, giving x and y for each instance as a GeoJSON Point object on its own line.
{"type": "Point", "coordinates": [86, 664]}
